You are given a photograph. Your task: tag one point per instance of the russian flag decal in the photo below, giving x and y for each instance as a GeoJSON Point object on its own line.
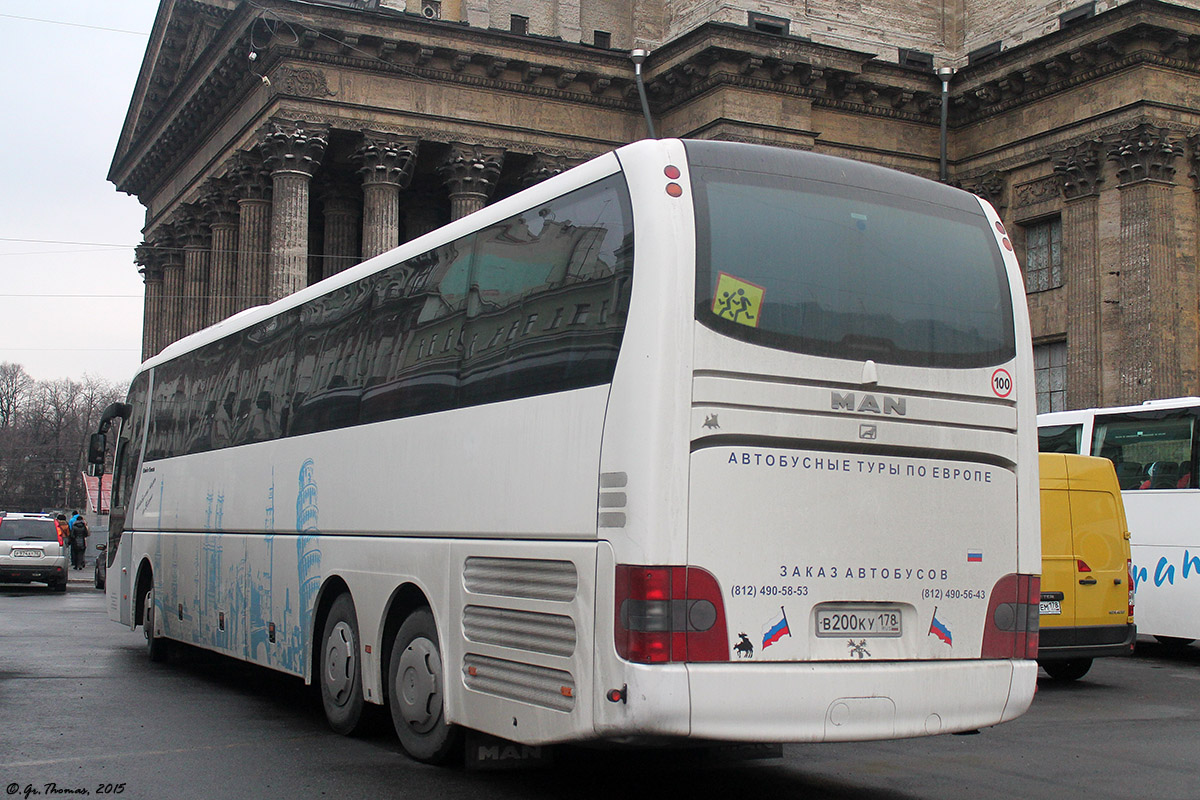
{"type": "Point", "coordinates": [938, 628]}
{"type": "Point", "coordinates": [974, 556]}
{"type": "Point", "coordinates": [773, 631]}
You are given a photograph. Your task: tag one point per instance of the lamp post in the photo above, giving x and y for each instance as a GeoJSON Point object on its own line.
{"type": "Point", "coordinates": [945, 73]}
{"type": "Point", "coordinates": [638, 56]}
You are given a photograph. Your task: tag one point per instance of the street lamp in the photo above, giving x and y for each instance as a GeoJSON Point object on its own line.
{"type": "Point", "coordinates": [638, 56]}
{"type": "Point", "coordinates": [945, 73]}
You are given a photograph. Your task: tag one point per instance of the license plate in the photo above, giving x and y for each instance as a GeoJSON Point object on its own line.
{"type": "Point", "coordinates": [24, 552]}
{"type": "Point", "coordinates": [862, 621]}
{"type": "Point", "coordinates": [1050, 607]}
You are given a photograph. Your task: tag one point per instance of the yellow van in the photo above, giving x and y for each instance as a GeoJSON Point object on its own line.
{"type": "Point", "coordinates": [1087, 587]}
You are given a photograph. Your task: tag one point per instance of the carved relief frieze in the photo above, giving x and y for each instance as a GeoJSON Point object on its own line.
{"type": "Point", "coordinates": [302, 83]}
{"type": "Point", "coordinates": [1036, 191]}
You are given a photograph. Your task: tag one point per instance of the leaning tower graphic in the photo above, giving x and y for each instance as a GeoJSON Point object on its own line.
{"type": "Point", "coordinates": [308, 553]}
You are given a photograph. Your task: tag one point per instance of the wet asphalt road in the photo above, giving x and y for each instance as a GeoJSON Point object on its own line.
{"type": "Point", "coordinates": [83, 711]}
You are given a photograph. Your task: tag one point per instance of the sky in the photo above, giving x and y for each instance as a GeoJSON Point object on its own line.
{"type": "Point", "coordinates": [70, 292]}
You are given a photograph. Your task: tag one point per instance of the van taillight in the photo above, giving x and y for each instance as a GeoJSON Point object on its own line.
{"type": "Point", "coordinates": [1082, 566]}
{"type": "Point", "coordinates": [1011, 628]}
{"type": "Point", "coordinates": [666, 614]}
{"type": "Point", "coordinates": [1129, 580]}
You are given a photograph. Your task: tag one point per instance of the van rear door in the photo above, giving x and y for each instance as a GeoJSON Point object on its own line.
{"type": "Point", "coordinates": [1101, 545]}
{"type": "Point", "coordinates": [1058, 546]}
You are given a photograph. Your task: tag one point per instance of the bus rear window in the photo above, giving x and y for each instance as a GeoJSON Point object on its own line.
{"type": "Point", "coordinates": [829, 269]}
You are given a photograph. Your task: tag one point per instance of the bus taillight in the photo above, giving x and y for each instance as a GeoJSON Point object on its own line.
{"type": "Point", "coordinates": [1011, 628]}
{"type": "Point", "coordinates": [666, 614]}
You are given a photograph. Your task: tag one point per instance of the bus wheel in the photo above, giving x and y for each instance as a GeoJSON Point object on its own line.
{"type": "Point", "coordinates": [156, 646]}
{"type": "Point", "coordinates": [416, 692]}
{"type": "Point", "coordinates": [1072, 669]}
{"type": "Point", "coordinates": [341, 668]}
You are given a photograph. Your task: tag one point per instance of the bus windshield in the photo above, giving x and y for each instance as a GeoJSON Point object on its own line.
{"type": "Point", "coordinates": [793, 259]}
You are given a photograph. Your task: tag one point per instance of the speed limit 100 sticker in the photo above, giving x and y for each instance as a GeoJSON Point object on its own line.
{"type": "Point", "coordinates": [1002, 383]}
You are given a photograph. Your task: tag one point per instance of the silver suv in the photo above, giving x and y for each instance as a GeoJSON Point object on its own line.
{"type": "Point", "coordinates": [32, 549]}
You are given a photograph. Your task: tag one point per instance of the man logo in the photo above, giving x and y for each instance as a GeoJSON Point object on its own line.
{"type": "Point", "coordinates": [868, 432]}
{"type": "Point", "coordinates": [874, 404]}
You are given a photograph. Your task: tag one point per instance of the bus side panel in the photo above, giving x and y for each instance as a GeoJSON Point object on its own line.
{"type": "Point", "coordinates": [117, 584]}
{"type": "Point", "coordinates": [518, 639]}
{"type": "Point", "coordinates": [407, 476]}
{"type": "Point", "coordinates": [1166, 561]}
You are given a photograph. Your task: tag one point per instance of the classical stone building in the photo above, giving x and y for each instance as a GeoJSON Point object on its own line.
{"type": "Point", "coordinates": [275, 142]}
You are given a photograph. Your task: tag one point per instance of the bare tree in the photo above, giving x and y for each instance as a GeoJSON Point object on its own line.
{"type": "Point", "coordinates": [43, 448]}
{"type": "Point", "coordinates": [15, 388]}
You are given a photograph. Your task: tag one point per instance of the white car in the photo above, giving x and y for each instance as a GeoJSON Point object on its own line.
{"type": "Point", "coordinates": [32, 549]}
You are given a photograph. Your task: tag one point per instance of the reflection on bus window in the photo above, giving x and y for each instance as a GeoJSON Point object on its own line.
{"type": "Point", "coordinates": [531, 305]}
{"type": "Point", "coordinates": [1060, 438]}
{"type": "Point", "coordinates": [1147, 453]}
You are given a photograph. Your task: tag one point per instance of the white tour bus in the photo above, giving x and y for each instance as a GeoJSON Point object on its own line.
{"type": "Point", "coordinates": [696, 441]}
{"type": "Point", "coordinates": [1154, 447]}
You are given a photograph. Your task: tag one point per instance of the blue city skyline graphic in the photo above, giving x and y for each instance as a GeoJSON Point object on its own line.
{"type": "Point", "coordinates": [228, 587]}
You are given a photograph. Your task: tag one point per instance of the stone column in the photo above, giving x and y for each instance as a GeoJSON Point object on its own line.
{"type": "Point", "coordinates": [1150, 305]}
{"type": "Point", "coordinates": [293, 151]}
{"type": "Point", "coordinates": [150, 258]}
{"type": "Point", "coordinates": [421, 214]}
{"type": "Point", "coordinates": [221, 209]}
{"type": "Point", "coordinates": [471, 172]}
{"type": "Point", "coordinates": [340, 205]}
{"type": "Point", "coordinates": [386, 165]}
{"type": "Point", "coordinates": [253, 185]}
{"type": "Point", "coordinates": [167, 238]}
{"type": "Point", "coordinates": [197, 240]}
{"type": "Point", "coordinates": [1080, 169]}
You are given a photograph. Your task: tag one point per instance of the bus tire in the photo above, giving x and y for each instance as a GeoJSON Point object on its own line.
{"type": "Point", "coordinates": [156, 646]}
{"type": "Point", "coordinates": [416, 691]}
{"type": "Point", "coordinates": [341, 667]}
{"type": "Point", "coordinates": [1071, 669]}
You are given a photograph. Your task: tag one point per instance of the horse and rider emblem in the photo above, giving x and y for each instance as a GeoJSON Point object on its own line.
{"type": "Point", "coordinates": [744, 647]}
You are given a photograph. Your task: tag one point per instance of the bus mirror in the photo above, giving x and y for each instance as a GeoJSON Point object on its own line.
{"type": "Point", "coordinates": [96, 447]}
{"type": "Point", "coordinates": [114, 411]}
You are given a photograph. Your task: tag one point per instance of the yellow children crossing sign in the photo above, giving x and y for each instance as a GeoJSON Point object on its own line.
{"type": "Point", "coordinates": [738, 300]}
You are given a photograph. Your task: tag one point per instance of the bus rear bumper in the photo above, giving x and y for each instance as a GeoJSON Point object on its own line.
{"type": "Point", "coordinates": [846, 702]}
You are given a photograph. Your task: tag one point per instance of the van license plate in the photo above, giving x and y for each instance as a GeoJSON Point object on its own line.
{"type": "Point", "coordinates": [863, 622]}
{"type": "Point", "coordinates": [26, 553]}
{"type": "Point", "coordinates": [1050, 607]}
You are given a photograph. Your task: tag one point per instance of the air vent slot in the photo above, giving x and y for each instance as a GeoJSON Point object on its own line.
{"type": "Point", "coordinates": [525, 683]}
{"type": "Point", "coordinates": [534, 579]}
{"type": "Point", "coordinates": [551, 634]}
